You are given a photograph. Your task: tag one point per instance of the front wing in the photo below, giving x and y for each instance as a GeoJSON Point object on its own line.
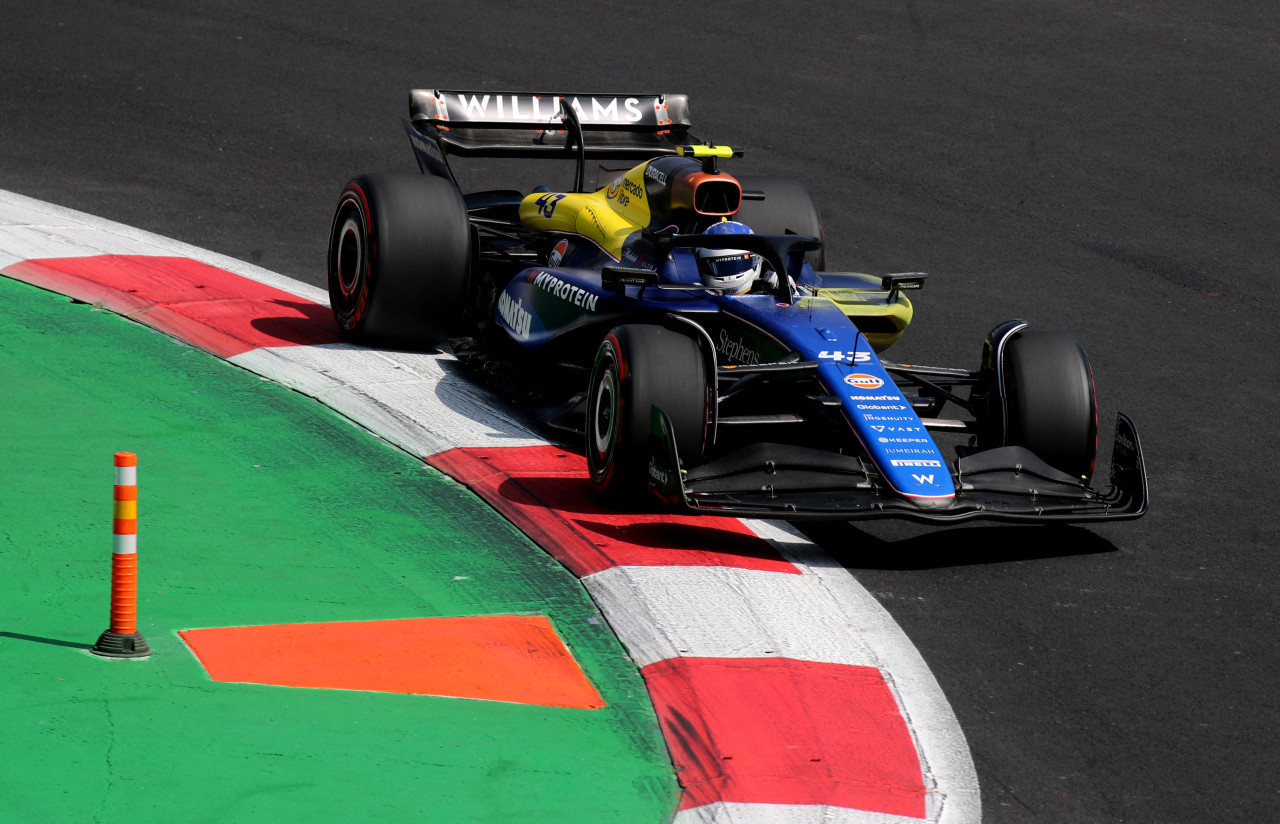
{"type": "Point", "coordinates": [797, 483]}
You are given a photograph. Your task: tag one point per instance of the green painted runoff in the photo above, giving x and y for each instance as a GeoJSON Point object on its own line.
{"type": "Point", "coordinates": [259, 506]}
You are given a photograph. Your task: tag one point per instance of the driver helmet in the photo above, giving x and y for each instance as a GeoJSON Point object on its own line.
{"type": "Point", "coordinates": [732, 270]}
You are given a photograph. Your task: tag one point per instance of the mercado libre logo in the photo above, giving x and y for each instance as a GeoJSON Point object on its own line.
{"type": "Point", "coordinates": [863, 381]}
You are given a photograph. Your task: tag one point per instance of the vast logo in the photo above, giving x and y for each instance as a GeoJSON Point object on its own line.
{"type": "Point", "coordinates": [863, 380]}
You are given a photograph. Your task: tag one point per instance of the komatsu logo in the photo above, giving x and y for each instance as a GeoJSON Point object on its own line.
{"type": "Point", "coordinates": [543, 108]}
{"type": "Point", "coordinates": [513, 312]}
{"type": "Point", "coordinates": [576, 295]}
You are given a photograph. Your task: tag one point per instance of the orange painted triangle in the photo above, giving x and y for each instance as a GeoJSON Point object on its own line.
{"type": "Point", "coordinates": [512, 658]}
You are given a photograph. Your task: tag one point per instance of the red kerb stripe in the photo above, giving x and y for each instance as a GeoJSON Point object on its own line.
{"type": "Point", "coordinates": [546, 493]}
{"type": "Point", "coordinates": [782, 731]}
{"type": "Point", "coordinates": [208, 307]}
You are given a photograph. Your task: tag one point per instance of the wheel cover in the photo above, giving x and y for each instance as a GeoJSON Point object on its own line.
{"type": "Point", "coordinates": [604, 413]}
{"type": "Point", "coordinates": [349, 261]}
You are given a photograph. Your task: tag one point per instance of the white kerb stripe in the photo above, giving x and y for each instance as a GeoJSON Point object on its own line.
{"type": "Point", "coordinates": [723, 812]}
{"type": "Point", "coordinates": [726, 612]}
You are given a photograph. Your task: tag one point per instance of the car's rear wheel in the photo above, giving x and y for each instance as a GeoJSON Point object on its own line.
{"type": "Point", "coordinates": [399, 259]}
{"type": "Point", "coordinates": [636, 368]}
{"type": "Point", "coordinates": [788, 205]}
{"type": "Point", "coordinates": [1050, 404]}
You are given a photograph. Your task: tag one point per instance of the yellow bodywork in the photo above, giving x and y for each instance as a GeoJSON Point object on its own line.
{"type": "Point", "coordinates": [612, 214]}
{"type": "Point", "coordinates": [606, 217]}
{"type": "Point", "coordinates": [882, 316]}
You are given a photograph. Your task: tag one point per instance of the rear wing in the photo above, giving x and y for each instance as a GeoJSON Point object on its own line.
{"type": "Point", "coordinates": [535, 124]}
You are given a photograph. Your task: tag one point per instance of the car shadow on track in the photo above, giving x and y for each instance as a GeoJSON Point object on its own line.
{"type": "Point", "coordinates": [907, 547]}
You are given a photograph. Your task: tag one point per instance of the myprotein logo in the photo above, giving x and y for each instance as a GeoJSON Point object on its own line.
{"type": "Point", "coordinates": [567, 292]}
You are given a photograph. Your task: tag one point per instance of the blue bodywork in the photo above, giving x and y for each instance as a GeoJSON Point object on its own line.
{"type": "Point", "coordinates": [542, 304]}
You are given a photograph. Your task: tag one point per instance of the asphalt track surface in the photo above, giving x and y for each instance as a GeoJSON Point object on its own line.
{"type": "Point", "coordinates": [1106, 168]}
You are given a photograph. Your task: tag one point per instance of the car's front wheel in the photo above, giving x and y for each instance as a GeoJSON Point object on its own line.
{"type": "Point", "coordinates": [1050, 404]}
{"type": "Point", "coordinates": [638, 367]}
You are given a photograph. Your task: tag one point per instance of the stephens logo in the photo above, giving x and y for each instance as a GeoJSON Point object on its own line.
{"type": "Point", "coordinates": [736, 349]}
{"type": "Point", "coordinates": [863, 381]}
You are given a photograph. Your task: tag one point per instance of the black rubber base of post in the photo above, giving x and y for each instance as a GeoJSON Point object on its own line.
{"type": "Point", "coordinates": [114, 645]}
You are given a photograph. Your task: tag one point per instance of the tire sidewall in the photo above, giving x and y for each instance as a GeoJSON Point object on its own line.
{"type": "Point", "coordinates": [606, 388]}
{"type": "Point", "coordinates": [350, 234]}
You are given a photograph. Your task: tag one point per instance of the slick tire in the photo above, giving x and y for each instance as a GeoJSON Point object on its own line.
{"type": "Point", "coordinates": [788, 205]}
{"type": "Point", "coordinates": [1050, 404]}
{"type": "Point", "coordinates": [636, 368]}
{"type": "Point", "coordinates": [399, 259]}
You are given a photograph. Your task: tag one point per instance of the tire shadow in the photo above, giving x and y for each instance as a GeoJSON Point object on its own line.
{"type": "Point", "coordinates": [910, 547]}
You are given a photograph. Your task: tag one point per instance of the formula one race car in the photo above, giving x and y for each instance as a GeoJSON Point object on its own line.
{"type": "Point", "coordinates": [679, 319]}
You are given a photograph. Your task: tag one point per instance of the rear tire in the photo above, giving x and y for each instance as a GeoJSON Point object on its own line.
{"type": "Point", "coordinates": [399, 259]}
{"type": "Point", "coordinates": [1050, 404]}
{"type": "Point", "coordinates": [638, 367]}
{"type": "Point", "coordinates": [788, 205]}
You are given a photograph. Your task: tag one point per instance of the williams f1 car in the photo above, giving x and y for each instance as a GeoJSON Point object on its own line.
{"type": "Point", "coordinates": [679, 318]}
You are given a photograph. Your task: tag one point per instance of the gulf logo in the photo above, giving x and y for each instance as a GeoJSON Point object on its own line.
{"type": "Point", "coordinates": [863, 381]}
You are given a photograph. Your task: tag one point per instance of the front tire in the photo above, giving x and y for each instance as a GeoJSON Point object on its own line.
{"type": "Point", "coordinates": [1050, 403]}
{"type": "Point", "coordinates": [636, 368]}
{"type": "Point", "coordinates": [399, 259]}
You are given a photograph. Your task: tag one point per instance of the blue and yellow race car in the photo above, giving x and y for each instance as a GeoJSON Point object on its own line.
{"type": "Point", "coordinates": [679, 319]}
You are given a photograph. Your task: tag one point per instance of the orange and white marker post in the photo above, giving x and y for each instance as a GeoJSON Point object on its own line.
{"type": "Point", "coordinates": [122, 639]}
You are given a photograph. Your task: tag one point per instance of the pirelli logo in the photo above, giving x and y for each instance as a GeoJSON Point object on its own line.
{"type": "Point", "coordinates": [904, 462]}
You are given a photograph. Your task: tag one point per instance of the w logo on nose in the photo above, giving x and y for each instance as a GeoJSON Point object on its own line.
{"type": "Point", "coordinates": [923, 479]}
